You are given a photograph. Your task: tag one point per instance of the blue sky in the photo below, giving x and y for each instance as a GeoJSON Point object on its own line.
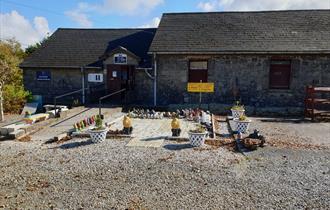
{"type": "Point", "coordinates": [30, 20]}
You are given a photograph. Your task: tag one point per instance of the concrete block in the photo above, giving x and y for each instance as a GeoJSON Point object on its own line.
{"type": "Point", "coordinates": [60, 136]}
{"type": "Point", "coordinates": [16, 134]}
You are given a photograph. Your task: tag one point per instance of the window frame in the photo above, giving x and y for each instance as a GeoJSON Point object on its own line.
{"type": "Point", "coordinates": [270, 86]}
{"type": "Point", "coordinates": [198, 60]}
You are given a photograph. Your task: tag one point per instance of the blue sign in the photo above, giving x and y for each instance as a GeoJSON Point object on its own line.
{"type": "Point", "coordinates": [43, 75]}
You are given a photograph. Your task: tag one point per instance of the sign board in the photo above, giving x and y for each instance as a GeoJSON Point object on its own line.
{"type": "Point", "coordinates": [43, 75]}
{"type": "Point", "coordinates": [95, 77]}
{"type": "Point", "coordinates": [201, 87]}
{"type": "Point", "coordinates": [120, 58]}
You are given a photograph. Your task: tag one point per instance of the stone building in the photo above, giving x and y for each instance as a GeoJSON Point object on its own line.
{"type": "Point", "coordinates": [100, 61]}
{"type": "Point", "coordinates": [265, 59]}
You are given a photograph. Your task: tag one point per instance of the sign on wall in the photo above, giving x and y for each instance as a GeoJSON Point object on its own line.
{"type": "Point", "coordinates": [120, 58]}
{"type": "Point", "coordinates": [201, 87]}
{"type": "Point", "coordinates": [43, 75]}
{"type": "Point", "coordinates": [95, 77]}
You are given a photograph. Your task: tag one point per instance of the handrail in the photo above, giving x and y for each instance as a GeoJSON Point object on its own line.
{"type": "Point", "coordinates": [66, 94]}
{"type": "Point", "coordinates": [107, 96]}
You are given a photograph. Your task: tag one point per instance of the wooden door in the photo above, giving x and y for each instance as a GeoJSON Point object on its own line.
{"type": "Point", "coordinates": [114, 80]}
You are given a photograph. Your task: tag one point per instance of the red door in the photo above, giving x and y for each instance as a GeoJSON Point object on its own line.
{"type": "Point", "coordinates": [114, 80]}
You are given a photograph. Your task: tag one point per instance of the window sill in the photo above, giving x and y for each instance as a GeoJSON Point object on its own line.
{"type": "Point", "coordinates": [270, 90]}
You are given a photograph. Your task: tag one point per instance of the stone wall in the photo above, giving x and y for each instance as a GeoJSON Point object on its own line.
{"type": "Point", "coordinates": [142, 94]}
{"type": "Point", "coordinates": [62, 81]}
{"type": "Point", "coordinates": [249, 74]}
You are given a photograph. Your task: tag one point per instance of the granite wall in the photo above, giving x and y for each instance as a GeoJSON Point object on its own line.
{"type": "Point", "coordinates": [245, 75]}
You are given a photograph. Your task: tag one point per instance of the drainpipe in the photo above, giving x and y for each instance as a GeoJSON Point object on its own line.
{"type": "Point", "coordinates": [83, 84]}
{"type": "Point", "coordinates": [155, 80]}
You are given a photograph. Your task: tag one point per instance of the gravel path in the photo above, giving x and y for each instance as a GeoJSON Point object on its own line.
{"type": "Point", "coordinates": [81, 175]}
{"type": "Point", "coordinates": [293, 132]}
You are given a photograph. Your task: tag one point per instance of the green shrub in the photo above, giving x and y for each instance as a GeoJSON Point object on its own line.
{"type": "Point", "coordinates": [14, 98]}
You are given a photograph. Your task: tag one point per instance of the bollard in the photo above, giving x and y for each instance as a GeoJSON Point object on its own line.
{"type": "Point", "coordinates": [175, 124]}
{"type": "Point", "coordinates": [127, 123]}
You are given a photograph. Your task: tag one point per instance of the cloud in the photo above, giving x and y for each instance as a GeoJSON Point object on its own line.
{"type": "Point", "coordinates": [79, 17]}
{"type": "Point", "coordinates": [252, 5]}
{"type": "Point", "coordinates": [107, 7]}
{"type": "Point", "coordinates": [152, 24]}
{"type": "Point", "coordinates": [207, 6]}
{"type": "Point", "coordinates": [14, 25]}
{"type": "Point", "coordinates": [128, 7]}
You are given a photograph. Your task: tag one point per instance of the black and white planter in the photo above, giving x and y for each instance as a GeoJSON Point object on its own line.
{"type": "Point", "coordinates": [236, 113]}
{"type": "Point", "coordinates": [242, 126]}
{"type": "Point", "coordinates": [197, 139]}
{"type": "Point", "coordinates": [98, 136]}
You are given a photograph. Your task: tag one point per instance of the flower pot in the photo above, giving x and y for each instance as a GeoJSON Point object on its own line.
{"type": "Point", "coordinates": [197, 139]}
{"type": "Point", "coordinates": [236, 113]}
{"type": "Point", "coordinates": [98, 136]}
{"type": "Point", "coordinates": [242, 126]}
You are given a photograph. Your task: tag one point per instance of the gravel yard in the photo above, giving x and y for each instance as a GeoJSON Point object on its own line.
{"type": "Point", "coordinates": [80, 175]}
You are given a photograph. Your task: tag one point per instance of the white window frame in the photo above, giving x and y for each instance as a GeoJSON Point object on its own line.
{"type": "Point", "coordinates": [95, 77]}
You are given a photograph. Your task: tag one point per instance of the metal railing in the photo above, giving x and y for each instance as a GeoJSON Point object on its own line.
{"type": "Point", "coordinates": [61, 96]}
{"type": "Point", "coordinates": [107, 96]}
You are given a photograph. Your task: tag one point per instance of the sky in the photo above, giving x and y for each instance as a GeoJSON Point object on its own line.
{"type": "Point", "coordinates": [29, 21]}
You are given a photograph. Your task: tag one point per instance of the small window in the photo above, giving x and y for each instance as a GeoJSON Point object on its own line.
{"type": "Point", "coordinates": [197, 71]}
{"type": "Point", "coordinates": [120, 58]}
{"type": "Point", "coordinates": [95, 77]}
{"type": "Point", "coordinates": [280, 74]}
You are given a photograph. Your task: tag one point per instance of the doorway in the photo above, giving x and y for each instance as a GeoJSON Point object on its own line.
{"type": "Point", "coordinates": [119, 77]}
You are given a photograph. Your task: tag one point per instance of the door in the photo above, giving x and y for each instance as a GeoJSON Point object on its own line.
{"type": "Point", "coordinates": [114, 81]}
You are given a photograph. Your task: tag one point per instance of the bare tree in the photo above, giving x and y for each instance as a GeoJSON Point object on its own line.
{"type": "Point", "coordinates": [4, 75]}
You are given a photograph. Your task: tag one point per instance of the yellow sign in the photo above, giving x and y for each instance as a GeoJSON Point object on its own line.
{"type": "Point", "coordinates": [201, 87]}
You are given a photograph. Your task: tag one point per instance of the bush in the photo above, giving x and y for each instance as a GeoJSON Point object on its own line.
{"type": "Point", "coordinates": [14, 98]}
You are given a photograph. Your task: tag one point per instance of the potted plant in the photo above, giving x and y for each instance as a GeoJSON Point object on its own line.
{"type": "Point", "coordinates": [237, 110]}
{"type": "Point", "coordinates": [242, 124]}
{"type": "Point", "coordinates": [99, 132]}
{"type": "Point", "coordinates": [197, 136]}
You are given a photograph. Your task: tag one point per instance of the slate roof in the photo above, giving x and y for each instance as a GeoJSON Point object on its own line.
{"type": "Point", "coordinates": [85, 47]}
{"type": "Point", "coordinates": [295, 31]}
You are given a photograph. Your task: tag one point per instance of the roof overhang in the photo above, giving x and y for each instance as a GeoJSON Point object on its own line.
{"type": "Point", "coordinates": [325, 52]}
{"type": "Point", "coordinates": [67, 67]}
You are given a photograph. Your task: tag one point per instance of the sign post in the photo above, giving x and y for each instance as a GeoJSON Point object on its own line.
{"type": "Point", "coordinates": [195, 87]}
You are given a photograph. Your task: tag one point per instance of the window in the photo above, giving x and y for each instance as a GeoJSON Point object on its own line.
{"type": "Point", "coordinates": [197, 71]}
{"type": "Point", "coordinates": [280, 74]}
{"type": "Point", "coordinates": [120, 58]}
{"type": "Point", "coordinates": [95, 77]}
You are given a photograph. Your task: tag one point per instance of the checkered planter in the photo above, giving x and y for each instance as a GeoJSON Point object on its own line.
{"type": "Point", "coordinates": [237, 113]}
{"type": "Point", "coordinates": [197, 139]}
{"type": "Point", "coordinates": [242, 126]}
{"type": "Point", "coordinates": [98, 136]}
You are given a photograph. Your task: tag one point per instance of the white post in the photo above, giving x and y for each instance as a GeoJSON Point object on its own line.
{"type": "Point", "coordinates": [155, 80]}
{"type": "Point", "coordinates": [83, 84]}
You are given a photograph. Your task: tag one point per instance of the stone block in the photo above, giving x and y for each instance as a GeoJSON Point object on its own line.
{"type": "Point", "coordinates": [16, 134]}
{"type": "Point", "coordinates": [60, 136]}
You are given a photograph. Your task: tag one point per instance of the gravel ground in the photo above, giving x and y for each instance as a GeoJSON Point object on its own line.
{"type": "Point", "coordinates": [80, 175]}
{"type": "Point", "coordinates": [293, 132]}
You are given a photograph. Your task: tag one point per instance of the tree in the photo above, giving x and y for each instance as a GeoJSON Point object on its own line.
{"type": "Point", "coordinates": [31, 48]}
{"type": "Point", "coordinates": [11, 56]}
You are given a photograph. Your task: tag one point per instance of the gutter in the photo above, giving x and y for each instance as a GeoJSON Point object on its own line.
{"type": "Point", "coordinates": [82, 69]}
{"type": "Point", "coordinates": [69, 67]}
{"type": "Point", "coordinates": [155, 80]}
{"type": "Point", "coordinates": [325, 52]}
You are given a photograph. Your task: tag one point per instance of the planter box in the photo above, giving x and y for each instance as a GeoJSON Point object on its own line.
{"type": "Point", "coordinates": [98, 136]}
{"type": "Point", "coordinates": [242, 126]}
{"type": "Point", "coordinates": [197, 139]}
{"type": "Point", "coordinates": [237, 113]}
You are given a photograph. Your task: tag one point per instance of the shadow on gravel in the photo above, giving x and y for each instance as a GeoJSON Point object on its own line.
{"type": "Point", "coordinates": [154, 138]}
{"type": "Point", "coordinates": [285, 120]}
{"type": "Point", "coordinates": [178, 146]}
{"type": "Point", "coordinates": [76, 144]}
